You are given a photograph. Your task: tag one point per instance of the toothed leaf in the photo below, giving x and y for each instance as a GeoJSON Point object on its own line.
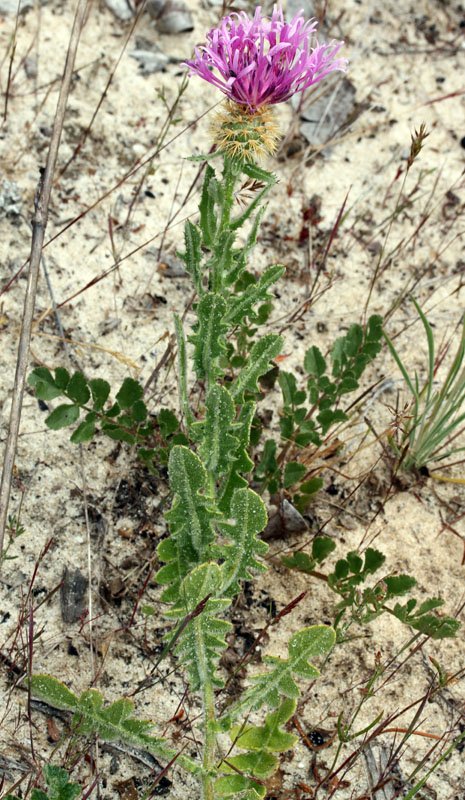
{"type": "Point", "coordinates": [258, 364]}
{"type": "Point", "coordinates": [218, 445]}
{"type": "Point", "coordinates": [190, 520]}
{"type": "Point", "coordinates": [243, 306]}
{"type": "Point", "coordinates": [209, 336]}
{"type": "Point", "coordinates": [249, 518]}
{"type": "Point", "coordinates": [278, 681]}
{"type": "Point", "coordinates": [202, 640]}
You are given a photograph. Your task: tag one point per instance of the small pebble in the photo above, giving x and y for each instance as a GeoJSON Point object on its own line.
{"type": "Point", "coordinates": [73, 595]}
{"type": "Point", "coordinates": [150, 61]}
{"type": "Point", "coordinates": [30, 66]}
{"type": "Point", "coordinates": [10, 199]}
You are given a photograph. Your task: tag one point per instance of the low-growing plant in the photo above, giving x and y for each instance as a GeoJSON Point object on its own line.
{"type": "Point", "coordinates": [308, 414]}
{"type": "Point", "coordinates": [58, 786]}
{"type": "Point", "coordinates": [435, 417]}
{"type": "Point", "coordinates": [363, 604]}
{"type": "Point", "coordinates": [14, 529]}
{"type": "Point", "coordinates": [216, 518]}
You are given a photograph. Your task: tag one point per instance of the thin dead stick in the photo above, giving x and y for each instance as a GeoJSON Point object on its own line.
{"type": "Point", "coordinates": [39, 224]}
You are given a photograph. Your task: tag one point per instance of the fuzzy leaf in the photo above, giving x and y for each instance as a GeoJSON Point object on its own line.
{"type": "Point", "coordinates": [262, 176]}
{"type": "Point", "coordinates": [111, 723]}
{"type": "Point", "coordinates": [182, 370]}
{"type": "Point", "coordinates": [242, 306]}
{"type": "Point", "coordinates": [242, 462]}
{"type": "Point", "coordinates": [260, 765]}
{"type": "Point", "coordinates": [193, 255]}
{"type": "Point", "coordinates": [269, 736]}
{"type": "Point", "coordinates": [53, 692]}
{"type": "Point", "coordinates": [239, 787]}
{"type": "Point", "coordinates": [202, 640]}
{"type": "Point", "coordinates": [249, 514]}
{"type": "Point", "coordinates": [207, 206]}
{"type": "Point", "coordinates": [190, 520]}
{"type": "Point", "coordinates": [241, 258]}
{"type": "Point", "coordinates": [220, 264]}
{"type": "Point", "coordinates": [258, 364]}
{"type": "Point", "coordinates": [218, 445]}
{"type": "Point", "coordinates": [279, 681]}
{"type": "Point", "coordinates": [209, 336]}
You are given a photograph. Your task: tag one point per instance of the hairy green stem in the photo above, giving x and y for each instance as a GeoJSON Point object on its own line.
{"type": "Point", "coordinates": [208, 792]}
{"type": "Point", "coordinates": [230, 173]}
{"type": "Point", "coordinates": [217, 277]}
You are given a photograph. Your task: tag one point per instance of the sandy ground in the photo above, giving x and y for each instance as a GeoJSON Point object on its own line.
{"type": "Point", "coordinates": [407, 67]}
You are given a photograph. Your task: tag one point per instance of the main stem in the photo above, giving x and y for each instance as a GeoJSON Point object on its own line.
{"type": "Point", "coordinates": [217, 280]}
{"type": "Point", "coordinates": [209, 746]}
{"type": "Point", "coordinates": [230, 173]}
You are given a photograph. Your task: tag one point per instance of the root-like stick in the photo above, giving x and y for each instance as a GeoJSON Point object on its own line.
{"type": "Point", "coordinates": [39, 223]}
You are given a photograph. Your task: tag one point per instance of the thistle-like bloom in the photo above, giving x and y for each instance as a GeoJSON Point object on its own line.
{"type": "Point", "coordinates": [259, 61]}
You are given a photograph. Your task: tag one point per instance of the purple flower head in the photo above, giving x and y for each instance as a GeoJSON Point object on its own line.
{"type": "Point", "coordinates": [260, 61]}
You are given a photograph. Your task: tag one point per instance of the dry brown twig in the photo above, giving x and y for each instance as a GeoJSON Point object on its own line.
{"type": "Point", "coordinates": [39, 224]}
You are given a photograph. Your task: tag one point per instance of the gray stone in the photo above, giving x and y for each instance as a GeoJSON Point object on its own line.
{"type": "Point", "coordinates": [11, 6]}
{"type": "Point", "coordinates": [173, 17]}
{"type": "Point", "coordinates": [73, 595]}
{"type": "Point", "coordinates": [150, 61]}
{"type": "Point", "coordinates": [155, 7]}
{"type": "Point", "coordinates": [123, 9]}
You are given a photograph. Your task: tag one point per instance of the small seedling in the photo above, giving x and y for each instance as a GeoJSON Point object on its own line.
{"type": "Point", "coordinates": [436, 416]}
